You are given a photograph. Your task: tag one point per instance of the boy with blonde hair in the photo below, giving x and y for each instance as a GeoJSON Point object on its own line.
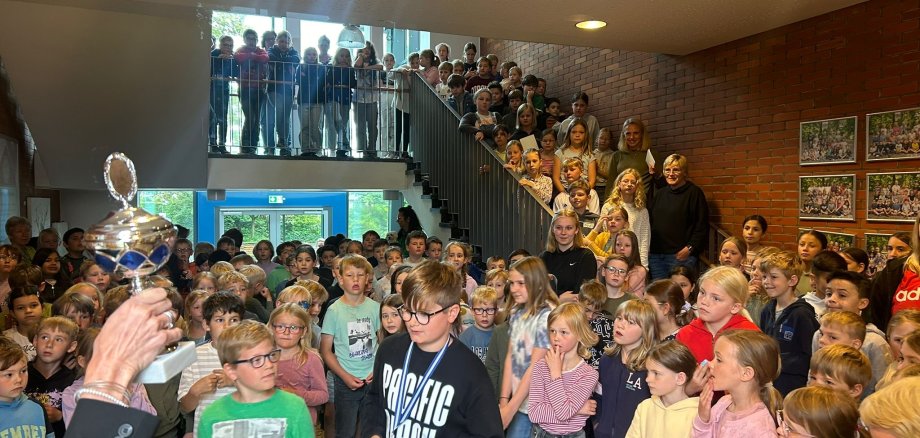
{"type": "Point", "coordinates": [787, 318]}
{"type": "Point", "coordinates": [840, 367]}
{"type": "Point", "coordinates": [55, 339]}
{"type": "Point", "coordinates": [844, 328]}
{"type": "Point", "coordinates": [573, 169]}
{"type": "Point", "coordinates": [248, 355]}
{"type": "Point", "coordinates": [258, 298]}
{"type": "Point", "coordinates": [592, 296]}
{"type": "Point", "coordinates": [457, 399]}
{"type": "Point", "coordinates": [484, 305]}
{"type": "Point", "coordinates": [350, 326]}
{"type": "Point", "coordinates": [237, 284]}
{"type": "Point", "coordinates": [19, 415]}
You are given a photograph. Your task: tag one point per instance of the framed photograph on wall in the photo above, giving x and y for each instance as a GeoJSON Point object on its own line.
{"type": "Point", "coordinates": [877, 249]}
{"type": "Point", "coordinates": [835, 241]}
{"type": "Point", "coordinates": [828, 141]}
{"type": "Point", "coordinates": [827, 197]}
{"type": "Point", "coordinates": [892, 197]}
{"type": "Point", "coordinates": [893, 135]}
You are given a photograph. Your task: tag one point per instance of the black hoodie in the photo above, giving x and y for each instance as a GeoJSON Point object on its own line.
{"type": "Point", "coordinates": [793, 330]}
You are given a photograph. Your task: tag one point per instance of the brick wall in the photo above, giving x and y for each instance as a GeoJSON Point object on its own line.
{"type": "Point", "coordinates": [735, 109]}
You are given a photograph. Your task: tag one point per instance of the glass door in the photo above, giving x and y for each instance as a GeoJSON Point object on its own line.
{"type": "Point", "coordinates": [309, 225]}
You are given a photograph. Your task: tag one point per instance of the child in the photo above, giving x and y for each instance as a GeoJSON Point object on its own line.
{"type": "Point", "coordinates": [789, 320]}
{"type": "Point", "coordinates": [54, 283]}
{"type": "Point", "coordinates": [562, 383]}
{"type": "Point", "coordinates": [686, 277]}
{"type": "Point", "coordinates": [19, 415]}
{"type": "Point", "coordinates": [300, 369]}
{"type": "Point", "coordinates": [548, 158]}
{"type": "Point", "coordinates": [203, 382]}
{"type": "Point", "coordinates": [260, 299]}
{"type": "Point", "coordinates": [627, 245]}
{"type": "Point", "coordinates": [26, 312]}
{"type": "Point", "coordinates": [484, 304]}
{"type": "Point", "coordinates": [500, 141]}
{"type": "Point", "coordinates": [237, 284]}
{"type": "Point", "coordinates": [481, 80]}
{"type": "Point", "coordinates": [531, 97]}
{"type": "Point", "coordinates": [304, 258]}
{"type": "Point", "coordinates": [459, 69]}
{"type": "Point", "coordinates": [459, 100]}
{"type": "Point", "coordinates": [822, 266]}
{"type": "Point", "coordinates": [380, 250]}
{"type": "Point", "coordinates": [533, 300]}
{"type": "Point", "coordinates": [840, 367]}
{"type": "Point", "coordinates": [902, 324]}
{"type": "Point", "coordinates": [572, 169]}
{"type": "Point", "coordinates": [844, 328]}
{"type": "Point", "coordinates": [459, 255]}
{"type": "Point", "coordinates": [248, 357]}
{"type": "Point", "coordinates": [849, 292]}
{"type": "Point", "coordinates": [628, 192]}
{"type": "Point", "coordinates": [672, 309]}
{"type": "Point", "coordinates": [390, 321]}
{"type": "Point", "coordinates": [392, 258]}
{"type": "Point", "coordinates": [469, 62]}
{"type": "Point", "coordinates": [457, 380]}
{"type": "Point", "coordinates": [811, 243]}
{"type": "Point", "coordinates": [733, 252]}
{"type": "Point", "coordinates": [752, 230]}
{"type": "Point", "coordinates": [614, 272]}
{"type": "Point", "coordinates": [205, 281]}
{"type": "Point", "coordinates": [669, 412]}
{"type": "Point", "coordinates": [497, 278]}
{"type": "Point", "coordinates": [623, 371]}
{"type": "Point", "coordinates": [577, 198]}
{"type": "Point", "coordinates": [196, 330]}
{"type": "Point", "coordinates": [592, 296]}
{"type": "Point", "coordinates": [84, 354]}
{"type": "Point", "coordinates": [757, 296]}
{"type": "Point", "coordinates": [74, 258]}
{"type": "Point", "coordinates": [579, 115]}
{"type": "Point", "coordinates": [514, 158]}
{"type": "Point", "coordinates": [600, 160]}
{"type": "Point", "coordinates": [577, 145]}
{"type": "Point", "coordinates": [817, 411]}
{"type": "Point", "coordinates": [415, 245]}
{"type": "Point", "coordinates": [499, 103]}
{"type": "Point", "coordinates": [91, 291]}
{"type": "Point", "coordinates": [55, 339]}
{"type": "Point", "coordinates": [745, 365]}
{"type": "Point", "coordinates": [444, 72]}
{"type": "Point", "coordinates": [910, 351]}
{"type": "Point", "coordinates": [513, 80]}
{"type": "Point", "coordinates": [541, 184]}
{"type": "Point", "coordinates": [75, 307]}
{"type": "Point", "coordinates": [495, 262]}
{"type": "Point", "coordinates": [433, 248]}
{"type": "Point", "coordinates": [722, 294]}
{"type": "Point", "coordinates": [311, 79]}
{"type": "Point", "coordinates": [515, 101]}
{"type": "Point", "coordinates": [349, 325]}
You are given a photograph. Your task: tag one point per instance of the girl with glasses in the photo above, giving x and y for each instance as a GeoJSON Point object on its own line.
{"type": "Point", "coordinates": [300, 369]}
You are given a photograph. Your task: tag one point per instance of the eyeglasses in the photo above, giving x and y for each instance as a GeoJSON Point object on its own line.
{"type": "Point", "coordinates": [281, 328]}
{"type": "Point", "coordinates": [481, 310]}
{"type": "Point", "coordinates": [787, 431]}
{"type": "Point", "coordinates": [615, 271]}
{"type": "Point", "coordinates": [258, 361]}
{"type": "Point", "coordinates": [421, 317]}
{"type": "Point", "coordinates": [4, 258]}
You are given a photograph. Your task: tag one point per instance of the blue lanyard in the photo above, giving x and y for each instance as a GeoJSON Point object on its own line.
{"type": "Point", "coordinates": [402, 409]}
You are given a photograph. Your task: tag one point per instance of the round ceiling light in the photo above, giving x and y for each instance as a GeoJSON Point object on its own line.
{"type": "Point", "coordinates": [591, 24]}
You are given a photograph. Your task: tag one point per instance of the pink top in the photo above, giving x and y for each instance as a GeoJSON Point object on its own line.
{"type": "Point", "coordinates": [554, 404]}
{"type": "Point", "coordinates": [307, 381]}
{"type": "Point", "coordinates": [755, 422]}
{"type": "Point", "coordinates": [139, 400]}
{"type": "Point", "coordinates": [431, 75]}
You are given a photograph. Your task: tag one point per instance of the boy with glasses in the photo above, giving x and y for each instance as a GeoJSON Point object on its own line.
{"type": "Point", "coordinates": [477, 336]}
{"type": "Point", "coordinates": [248, 356]}
{"type": "Point", "coordinates": [427, 383]}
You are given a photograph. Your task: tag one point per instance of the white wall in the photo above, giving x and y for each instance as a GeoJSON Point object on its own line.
{"type": "Point", "coordinates": [83, 208]}
{"type": "Point", "coordinates": [91, 82]}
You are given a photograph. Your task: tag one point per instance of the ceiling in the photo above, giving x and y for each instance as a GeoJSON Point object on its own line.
{"type": "Point", "coordinates": [676, 27]}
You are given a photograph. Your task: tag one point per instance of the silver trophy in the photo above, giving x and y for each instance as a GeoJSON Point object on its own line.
{"type": "Point", "coordinates": [134, 244]}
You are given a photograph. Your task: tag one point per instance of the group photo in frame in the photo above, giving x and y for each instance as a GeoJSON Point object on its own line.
{"type": "Point", "coordinates": [893, 135]}
{"type": "Point", "coordinates": [892, 196]}
{"type": "Point", "coordinates": [827, 197]}
{"type": "Point", "coordinates": [836, 241]}
{"type": "Point", "coordinates": [827, 141]}
{"type": "Point", "coordinates": [877, 249]}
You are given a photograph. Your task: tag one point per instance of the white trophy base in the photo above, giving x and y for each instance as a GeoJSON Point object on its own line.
{"type": "Point", "coordinates": [167, 365]}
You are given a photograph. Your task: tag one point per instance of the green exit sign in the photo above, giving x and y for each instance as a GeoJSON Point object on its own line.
{"type": "Point", "coordinates": [275, 199]}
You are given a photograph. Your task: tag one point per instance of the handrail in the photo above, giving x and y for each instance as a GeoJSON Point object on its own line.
{"type": "Point", "coordinates": [501, 215]}
{"type": "Point", "coordinates": [713, 246]}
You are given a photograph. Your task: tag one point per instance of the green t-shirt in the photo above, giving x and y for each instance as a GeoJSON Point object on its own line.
{"type": "Point", "coordinates": [612, 304]}
{"type": "Point", "coordinates": [279, 275]}
{"type": "Point", "coordinates": [282, 414]}
{"type": "Point", "coordinates": [354, 332]}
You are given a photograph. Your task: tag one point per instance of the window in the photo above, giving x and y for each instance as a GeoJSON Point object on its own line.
{"type": "Point", "coordinates": [177, 206]}
{"type": "Point", "coordinates": [367, 211]}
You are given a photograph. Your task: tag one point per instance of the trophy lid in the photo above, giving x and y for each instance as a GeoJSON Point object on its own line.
{"type": "Point", "coordinates": [129, 241]}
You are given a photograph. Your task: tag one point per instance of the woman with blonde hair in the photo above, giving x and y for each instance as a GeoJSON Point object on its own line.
{"type": "Point", "coordinates": [679, 220]}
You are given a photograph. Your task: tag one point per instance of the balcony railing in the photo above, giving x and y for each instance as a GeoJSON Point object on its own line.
{"type": "Point", "coordinates": [303, 108]}
{"type": "Point", "coordinates": [501, 215]}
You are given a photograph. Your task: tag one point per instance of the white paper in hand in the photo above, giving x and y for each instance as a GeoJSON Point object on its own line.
{"type": "Point", "coordinates": [529, 142]}
{"type": "Point", "coordinates": [649, 159]}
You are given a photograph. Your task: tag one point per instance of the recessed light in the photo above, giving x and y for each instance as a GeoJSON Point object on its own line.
{"type": "Point", "coordinates": [591, 24]}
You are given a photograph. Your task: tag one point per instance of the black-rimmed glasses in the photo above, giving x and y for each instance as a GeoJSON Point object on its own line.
{"type": "Point", "coordinates": [422, 317]}
{"type": "Point", "coordinates": [486, 310]}
{"type": "Point", "coordinates": [258, 361]}
{"type": "Point", "coordinates": [281, 328]}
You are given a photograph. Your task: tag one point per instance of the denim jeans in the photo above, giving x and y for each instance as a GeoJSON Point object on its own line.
{"type": "Point", "coordinates": [284, 103]}
{"type": "Point", "coordinates": [311, 127]}
{"type": "Point", "coordinates": [250, 101]}
{"type": "Point", "coordinates": [268, 120]}
{"type": "Point", "coordinates": [538, 432]}
{"type": "Point", "coordinates": [660, 265]}
{"type": "Point", "coordinates": [402, 131]}
{"type": "Point", "coordinates": [347, 405]}
{"type": "Point", "coordinates": [520, 426]}
{"type": "Point", "coordinates": [342, 119]}
{"type": "Point", "coordinates": [366, 125]}
{"type": "Point", "coordinates": [217, 122]}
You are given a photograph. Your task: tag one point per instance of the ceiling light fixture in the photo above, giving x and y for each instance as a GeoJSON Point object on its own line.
{"type": "Point", "coordinates": [351, 37]}
{"type": "Point", "coordinates": [591, 24]}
